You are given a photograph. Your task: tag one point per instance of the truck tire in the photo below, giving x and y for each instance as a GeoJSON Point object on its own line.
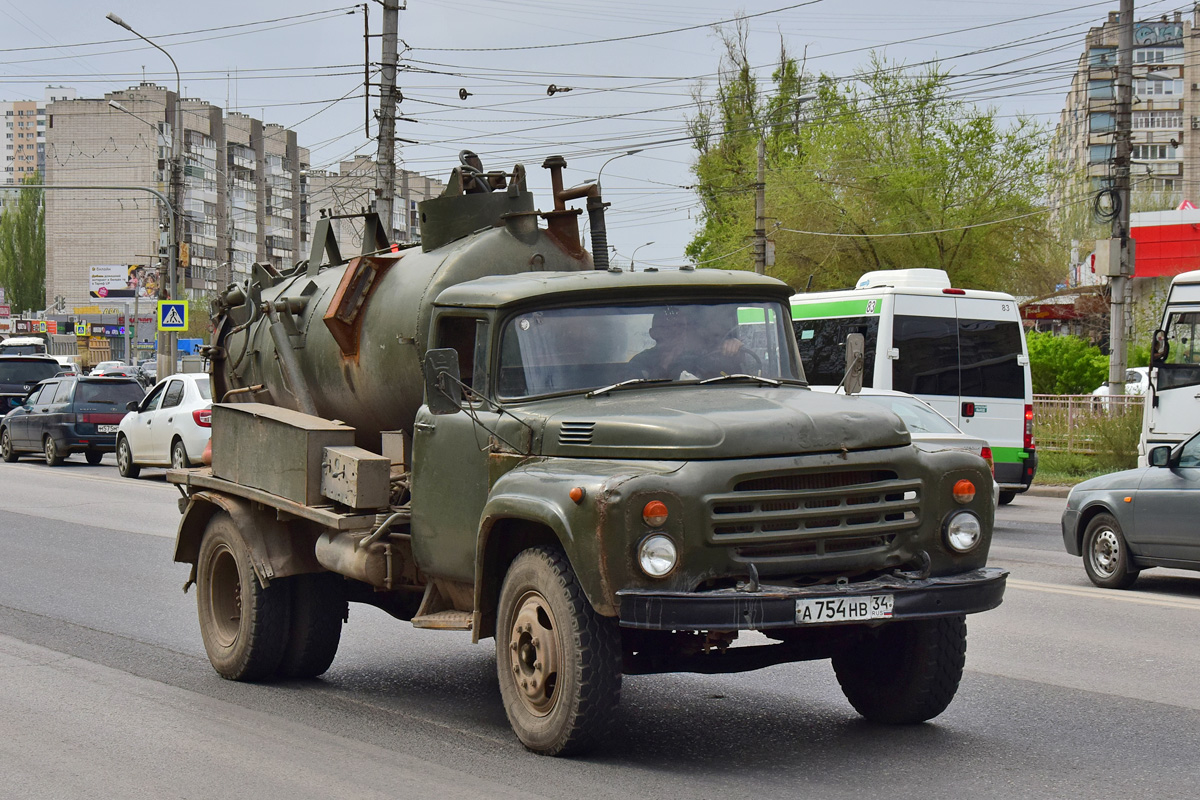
{"type": "Point", "coordinates": [318, 610]}
{"type": "Point", "coordinates": [904, 672]}
{"type": "Point", "coordinates": [558, 661]}
{"type": "Point", "coordinates": [244, 625]}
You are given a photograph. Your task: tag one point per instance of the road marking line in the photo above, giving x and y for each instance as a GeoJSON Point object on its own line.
{"type": "Point", "coordinates": [1107, 594]}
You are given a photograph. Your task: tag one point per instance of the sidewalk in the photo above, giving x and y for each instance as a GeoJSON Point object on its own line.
{"type": "Point", "coordinates": [1048, 491]}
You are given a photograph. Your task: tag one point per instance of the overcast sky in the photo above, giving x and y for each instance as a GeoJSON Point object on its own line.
{"type": "Point", "coordinates": [626, 94]}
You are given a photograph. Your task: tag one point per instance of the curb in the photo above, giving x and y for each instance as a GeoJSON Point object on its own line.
{"type": "Point", "coordinates": [1048, 491]}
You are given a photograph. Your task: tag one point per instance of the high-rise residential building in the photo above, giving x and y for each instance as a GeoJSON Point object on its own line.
{"type": "Point", "coordinates": [351, 189]}
{"type": "Point", "coordinates": [1165, 167]}
{"type": "Point", "coordinates": [240, 189]}
{"type": "Point", "coordinates": [25, 137]}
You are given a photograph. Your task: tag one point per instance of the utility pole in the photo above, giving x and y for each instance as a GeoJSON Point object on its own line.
{"type": "Point", "coordinates": [760, 210]}
{"type": "Point", "coordinates": [386, 159]}
{"type": "Point", "coordinates": [1119, 283]}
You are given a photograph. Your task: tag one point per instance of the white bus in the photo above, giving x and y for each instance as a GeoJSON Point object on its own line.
{"type": "Point", "coordinates": [1173, 401]}
{"type": "Point", "coordinates": [960, 350]}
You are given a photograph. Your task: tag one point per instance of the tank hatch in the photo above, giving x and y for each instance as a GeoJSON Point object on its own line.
{"type": "Point", "coordinates": [473, 200]}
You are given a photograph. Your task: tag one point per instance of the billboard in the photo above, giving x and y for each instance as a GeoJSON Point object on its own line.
{"type": "Point", "coordinates": [122, 281]}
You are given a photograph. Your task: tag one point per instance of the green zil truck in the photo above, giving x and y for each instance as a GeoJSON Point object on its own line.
{"type": "Point", "coordinates": [607, 473]}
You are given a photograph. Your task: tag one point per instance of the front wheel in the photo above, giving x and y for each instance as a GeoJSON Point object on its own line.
{"type": "Point", "coordinates": [125, 465]}
{"type": "Point", "coordinates": [244, 624]}
{"type": "Point", "coordinates": [558, 661]}
{"type": "Point", "coordinates": [1006, 498]}
{"type": "Point", "coordinates": [1106, 555]}
{"type": "Point", "coordinates": [904, 672]}
{"type": "Point", "coordinates": [53, 457]}
{"type": "Point", "coordinates": [179, 456]}
{"type": "Point", "coordinates": [6, 449]}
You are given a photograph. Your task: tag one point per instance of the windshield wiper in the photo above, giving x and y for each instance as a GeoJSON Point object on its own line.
{"type": "Point", "coordinates": [621, 384]}
{"type": "Point", "coordinates": [743, 376]}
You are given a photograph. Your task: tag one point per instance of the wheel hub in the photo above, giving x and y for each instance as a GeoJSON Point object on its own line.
{"type": "Point", "coordinates": [225, 596]}
{"type": "Point", "coordinates": [534, 654]}
{"type": "Point", "coordinates": [1105, 552]}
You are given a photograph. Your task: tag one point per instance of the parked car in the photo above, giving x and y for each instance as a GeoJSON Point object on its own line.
{"type": "Point", "coordinates": [929, 430]}
{"type": "Point", "coordinates": [73, 414]}
{"type": "Point", "coordinates": [20, 374]}
{"type": "Point", "coordinates": [1137, 381]}
{"type": "Point", "coordinates": [169, 427]}
{"type": "Point", "coordinates": [1139, 518]}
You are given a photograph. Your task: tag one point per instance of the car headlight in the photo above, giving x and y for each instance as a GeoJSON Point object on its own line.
{"type": "Point", "coordinates": [657, 555]}
{"type": "Point", "coordinates": [962, 531]}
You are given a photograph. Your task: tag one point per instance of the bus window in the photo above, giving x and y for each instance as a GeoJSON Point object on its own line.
{"type": "Point", "coordinates": [823, 347]}
{"type": "Point", "coordinates": [1183, 358]}
{"type": "Point", "coordinates": [988, 351]}
{"type": "Point", "coordinates": [928, 362]}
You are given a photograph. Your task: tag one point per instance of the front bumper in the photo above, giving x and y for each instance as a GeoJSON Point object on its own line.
{"type": "Point", "coordinates": [775, 606]}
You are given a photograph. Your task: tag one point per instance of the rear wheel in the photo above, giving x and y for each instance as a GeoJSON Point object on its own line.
{"type": "Point", "coordinates": [318, 610]}
{"type": "Point", "coordinates": [1007, 497]}
{"type": "Point", "coordinates": [244, 624]}
{"type": "Point", "coordinates": [904, 672]}
{"type": "Point", "coordinates": [6, 448]}
{"type": "Point", "coordinates": [125, 464]}
{"type": "Point", "coordinates": [50, 450]}
{"type": "Point", "coordinates": [558, 661]}
{"type": "Point", "coordinates": [1106, 554]}
{"type": "Point", "coordinates": [93, 457]}
{"type": "Point", "coordinates": [179, 456]}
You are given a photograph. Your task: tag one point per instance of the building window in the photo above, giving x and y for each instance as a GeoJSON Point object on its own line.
{"type": "Point", "coordinates": [1153, 152]}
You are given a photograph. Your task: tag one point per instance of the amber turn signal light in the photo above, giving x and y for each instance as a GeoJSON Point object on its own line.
{"type": "Point", "coordinates": [576, 494]}
{"type": "Point", "coordinates": [964, 491]}
{"type": "Point", "coordinates": [655, 513]}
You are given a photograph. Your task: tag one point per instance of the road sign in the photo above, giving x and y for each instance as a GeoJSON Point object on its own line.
{"type": "Point", "coordinates": [81, 329]}
{"type": "Point", "coordinates": [172, 315]}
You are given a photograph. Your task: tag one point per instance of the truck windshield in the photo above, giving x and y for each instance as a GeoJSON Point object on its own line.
{"type": "Point", "coordinates": [579, 349]}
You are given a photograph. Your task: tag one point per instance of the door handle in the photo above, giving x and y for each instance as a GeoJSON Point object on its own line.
{"type": "Point", "coordinates": [424, 426]}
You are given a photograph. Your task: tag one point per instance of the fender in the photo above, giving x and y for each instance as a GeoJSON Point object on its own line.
{"type": "Point", "coordinates": [277, 549]}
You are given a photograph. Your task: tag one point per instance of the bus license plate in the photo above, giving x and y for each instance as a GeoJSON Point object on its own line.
{"type": "Point", "coordinates": [106, 428]}
{"type": "Point", "coordinates": [844, 609]}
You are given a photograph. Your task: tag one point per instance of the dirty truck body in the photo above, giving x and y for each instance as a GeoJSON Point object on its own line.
{"type": "Point", "coordinates": [488, 435]}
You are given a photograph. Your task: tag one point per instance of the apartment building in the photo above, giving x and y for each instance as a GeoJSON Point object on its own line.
{"type": "Point", "coordinates": [1165, 167]}
{"type": "Point", "coordinates": [25, 137]}
{"type": "Point", "coordinates": [240, 179]}
{"type": "Point", "coordinates": [351, 188]}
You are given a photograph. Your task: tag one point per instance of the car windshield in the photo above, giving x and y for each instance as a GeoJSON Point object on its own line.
{"type": "Point", "coordinates": [114, 393]}
{"type": "Point", "coordinates": [27, 371]}
{"type": "Point", "coordinates": [917, 417]}
{"type": "Point", "coordinates": [584, 348]}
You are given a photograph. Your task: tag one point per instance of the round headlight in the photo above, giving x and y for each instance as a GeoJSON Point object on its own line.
{"type": "Point", "coordinates": [657, 555]}
{"type": "Point", "coordinates": [963, 532]}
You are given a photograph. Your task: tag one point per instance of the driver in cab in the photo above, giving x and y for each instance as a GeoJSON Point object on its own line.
{"type": "Point", "coordinates": [689, 344]}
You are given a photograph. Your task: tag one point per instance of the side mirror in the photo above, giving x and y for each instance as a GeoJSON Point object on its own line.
{"type": "Point", "coordinates": [443, 387]}
{"type": "Point", "coordinates": [132, 405]}
{"type": "Point", "coordinates": [1160, 456]}
{"type": "Point", "coordinates": [855, 349]}
{"type": "Point", "coordinates": [1160, 348]}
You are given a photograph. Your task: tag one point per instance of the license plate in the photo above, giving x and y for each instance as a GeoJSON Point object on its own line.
{"type": "Point", "coordinates": [106, 428]}
{"type": "Point", "coordinates": [844, 609]}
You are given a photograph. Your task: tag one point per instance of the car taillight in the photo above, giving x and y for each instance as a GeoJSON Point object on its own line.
{"type": "Point", "coordinates": [986, 453]}
{"type": "Point", "coordinates": [73, 418]}
{"type": "Point", "coordinates": [203, 417]}
{"type": "Point", "coordinates": [1028, 427]}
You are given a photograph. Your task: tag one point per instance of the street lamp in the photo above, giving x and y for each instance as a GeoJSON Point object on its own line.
{"type": "Point", "coordinates": [166, 362]}
{"type": "Point", "coordinates": [633, 258]}
{"type": "Point", "coordinates": [614, 158]}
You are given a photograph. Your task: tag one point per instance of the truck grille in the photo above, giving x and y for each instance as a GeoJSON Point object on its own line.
{"type": "Point", "coordinates": [814, 514]}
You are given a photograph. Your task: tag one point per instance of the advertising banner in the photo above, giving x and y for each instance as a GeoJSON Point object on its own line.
{"type": "Point", "coordinates": [5, 310]}
{"type": "Point", "coordinates": [122, 280]}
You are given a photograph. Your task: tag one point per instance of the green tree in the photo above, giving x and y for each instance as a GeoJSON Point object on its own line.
{"type": "Point", "coordinates": [1064, 364]}
{"type": "Point", "coordinates": [889, 152]}
{"type": "Point", "coordinates": [23, 248]}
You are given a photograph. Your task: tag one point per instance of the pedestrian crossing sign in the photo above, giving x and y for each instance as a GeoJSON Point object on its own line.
{"type": "Point", "coordinates": [172, 315]}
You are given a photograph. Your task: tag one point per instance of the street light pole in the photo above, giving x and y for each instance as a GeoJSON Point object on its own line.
{"type": "Point", "coordinates": [633, 258]}
{"type": "Point", "coordinates": [166, 362]}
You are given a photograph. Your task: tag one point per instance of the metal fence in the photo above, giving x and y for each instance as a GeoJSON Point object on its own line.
{"type": "Point", "coordinates": [1074, 423]}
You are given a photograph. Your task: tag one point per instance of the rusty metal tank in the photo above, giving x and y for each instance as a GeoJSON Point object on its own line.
{"type": "Point", "coordinates": [344, 338]}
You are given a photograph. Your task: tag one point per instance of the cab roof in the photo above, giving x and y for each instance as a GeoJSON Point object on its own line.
{"type": "Point", "coordinates": [505, 290]}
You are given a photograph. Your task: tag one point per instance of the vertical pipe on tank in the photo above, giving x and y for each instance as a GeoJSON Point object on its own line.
{"type": "Point", "coordinates": [595, 209]}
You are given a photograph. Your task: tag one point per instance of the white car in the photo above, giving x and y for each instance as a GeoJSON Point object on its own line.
{"type": "Point", "coordinates": [1137, 381]}
{"type": "Point", "coordinates": [930, 431]}
{"type": "Point", "coordinates": [171, 426]}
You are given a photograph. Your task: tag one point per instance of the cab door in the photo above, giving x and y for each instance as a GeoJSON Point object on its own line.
{"type": "Point", "coordinates": [38, 420]}
{"type": "Point", "coordinates": [450, 462]}
{"type": "Point", "coordinates": [21, 421]}
{"type": "Point", "coordinates": [1175, 399]}
{"type": "Point", "coordinates": [138, 433]}
{"type": "Point", "coordinates": [1165, 507]}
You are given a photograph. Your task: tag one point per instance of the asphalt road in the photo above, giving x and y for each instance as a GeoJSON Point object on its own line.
{"type": "Point", "coordinates": [105, 691]}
